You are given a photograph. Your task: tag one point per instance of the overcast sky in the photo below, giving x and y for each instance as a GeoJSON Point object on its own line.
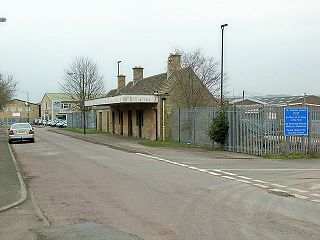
{"type": "Point", "coordinates": [271, 47]}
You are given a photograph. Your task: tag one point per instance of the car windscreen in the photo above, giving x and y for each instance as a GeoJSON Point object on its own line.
{"type": "Point", "coordinates": [20, 126]}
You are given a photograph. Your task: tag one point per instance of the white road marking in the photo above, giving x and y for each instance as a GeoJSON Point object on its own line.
{"type": "Point", "coordinates": [278, 185]}
{"type": "Point", "coordinates": [258, 184]}
{"type": "Point", "coordinates": [271, 169]}
{"type": "Point", "coordinates": [202, 170]}
{"type": "Point", "coordinates": [315, 194]}
{"type": "Point", "coordinates": [259, 181]}
{"type": "Point", "coordinates": [300, 196]}
{"type": "Point", "coordinates": [297, 190]}
{"type": "Point", "coordinates": [194, 168]}
{"type": "Point", "coordinates": [231, 178]}
{"type": "Point", "coordinates": [247, 178]}
{"type": "Point", "coordinates": [261, 186]}
{"type": "Point", "coordinates": [182, 165]}
{"type": "Point", "coordinates": [243, 181]}
{"type": "Point", "coordinates": [228, 173]}
{"type": "Point", "coordinates": [213, 173]}
{"type": "Point", "coordinates": [278, 190]}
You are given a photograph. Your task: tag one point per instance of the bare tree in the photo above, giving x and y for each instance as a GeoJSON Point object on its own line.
{"type": "Point", "coordinates": [191, 91]}
{"type": "Point", "coordinates": [8, 87]}
{"type": "Point", "coordinates": [204, 66]}
{"type": "Point", "coordinates": [82, 80]}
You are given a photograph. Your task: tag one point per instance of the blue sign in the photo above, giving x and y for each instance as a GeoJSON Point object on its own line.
{"type": "Point", "coordinates": [56, 104]}
{"type": "Point", "coordinates": [295, 121]}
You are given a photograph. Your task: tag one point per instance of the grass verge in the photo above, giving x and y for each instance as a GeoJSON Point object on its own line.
{"type": "Point", "coordinates": [80, 130]}
{"type": "Point", "coordinates": [293, 156]}
{"type": "Point", "coordinates": [172, 144]}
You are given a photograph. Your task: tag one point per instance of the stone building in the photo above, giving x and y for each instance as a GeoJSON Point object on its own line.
{"type": "Point", "coordinates": [56, 105]}
{"type": "Point", "coordinates": [143, 107]}
{"type": "Point", "coordinates": [19, 111]}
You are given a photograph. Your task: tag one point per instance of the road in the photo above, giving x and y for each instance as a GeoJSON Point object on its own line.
{"type": "Point", "coordinates": [88, 190]}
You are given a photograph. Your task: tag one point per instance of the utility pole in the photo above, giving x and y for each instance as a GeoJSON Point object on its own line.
{"type": "Point", "coordinates": [221, 97]}
{"type": "Point", "coordinates": [83, 102]}
{"type": "Point", "coordinates": [28, 106]}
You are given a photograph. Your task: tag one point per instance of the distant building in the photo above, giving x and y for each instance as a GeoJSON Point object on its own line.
{"type": "Point", "coordinates": [57, 105]}
{"type": "Point", "coordinates": [278, 101]}
{"type": "Point", "coordinates": [143, 107]}
{"type": "Point", "coordinates": [17, 111]}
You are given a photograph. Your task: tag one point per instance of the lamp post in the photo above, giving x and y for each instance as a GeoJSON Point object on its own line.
{"type": "Point", "coordinates": [118, 67]}
{"type": "Point", "coordinates": [82, 100]}
{"type": "Point", "coordinates": [221, 97]}
{"type": "Point", "coordinates": [27, 104]}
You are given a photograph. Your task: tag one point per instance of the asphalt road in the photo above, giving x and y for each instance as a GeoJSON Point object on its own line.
{"type": "Point", "coordinates": [90, 191]}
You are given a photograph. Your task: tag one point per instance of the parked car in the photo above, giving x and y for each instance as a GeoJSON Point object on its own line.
{"type": "Point", "coordinates": [20, 132]}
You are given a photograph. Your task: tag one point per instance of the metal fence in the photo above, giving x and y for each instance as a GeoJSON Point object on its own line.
{"type": "Point", "coordinates": [254, 130]}
{"type": "Point", "coordinates": [9, 121]}
{"type": "Point", "coordinates": [75, 120]}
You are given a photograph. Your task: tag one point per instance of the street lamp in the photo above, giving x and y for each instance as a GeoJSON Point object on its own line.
{"type": "Point", "coordinates": [83, 100]}
{"type": "Point", "coordinates": [221, 96]}
{"type": "Point", "coordinates": [119, 67]}
{"type": "Point", "coordinates": [27, 104]}
{"type": "Point", "coordinates": [3, 19]}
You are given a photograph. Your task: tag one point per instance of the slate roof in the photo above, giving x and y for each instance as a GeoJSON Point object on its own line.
{"type": "Point", "coordinates": [112, 93]}
{"type": "Point", "coordinates": [144, 86]}
{"type": "Point", "coordinates": [16, 99]}
{"type": "Point", "coordinates": [148, 85]}
{"type": "Point", "coordinates": [278, 100]}
{"type": "Point", "coordinates": [59, 96]}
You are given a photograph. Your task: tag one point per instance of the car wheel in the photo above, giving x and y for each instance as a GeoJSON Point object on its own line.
{"type": "Point", "coordinates": [10, 141]}
{"type": "Point", "coordinates": [32, 140]}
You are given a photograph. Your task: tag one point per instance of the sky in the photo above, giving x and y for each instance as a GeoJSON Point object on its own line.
{"type": "Point", "coordinates": [270, 47]}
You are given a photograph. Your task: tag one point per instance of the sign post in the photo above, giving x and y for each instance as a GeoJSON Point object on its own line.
{"type": "Point", "coordinates": [296, 122]}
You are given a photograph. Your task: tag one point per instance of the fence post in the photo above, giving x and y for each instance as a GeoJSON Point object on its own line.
{"type": "Point", "coordinates": [287, 137]}
{"type": "Point", "coordinates": [309, 127]}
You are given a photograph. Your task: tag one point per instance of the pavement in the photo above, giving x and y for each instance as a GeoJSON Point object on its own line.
{"type": "Point", "coordinates": [12, 188]}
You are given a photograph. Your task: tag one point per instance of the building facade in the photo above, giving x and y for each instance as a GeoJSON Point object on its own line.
{"type": "Point", "coordinates": [19, 111]}
{"type": "Point", "coordinates": [143, 107]}
{"type": "Point", "coordinates": [57, 105]}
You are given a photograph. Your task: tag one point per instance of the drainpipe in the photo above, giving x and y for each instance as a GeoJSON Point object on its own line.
{"type": "Point", "coordinates": [163, 122]}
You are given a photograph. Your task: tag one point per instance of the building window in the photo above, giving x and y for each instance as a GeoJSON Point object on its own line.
{"type": "Point", "coordinates": [13, 109]}
{"type": "Point", "coordinates": [65, 105]}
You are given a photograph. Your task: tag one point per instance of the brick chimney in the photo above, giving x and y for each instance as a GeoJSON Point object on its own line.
{"type": "Point", "coordinates": [121, 82]}
{"type": "Point", "coordinates": [174, 63]}
{"type": "Point", "coordinates": [137, 74]}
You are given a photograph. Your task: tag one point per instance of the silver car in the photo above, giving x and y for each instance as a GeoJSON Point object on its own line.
{"type": "Point", "coordinates": [20, 132]}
